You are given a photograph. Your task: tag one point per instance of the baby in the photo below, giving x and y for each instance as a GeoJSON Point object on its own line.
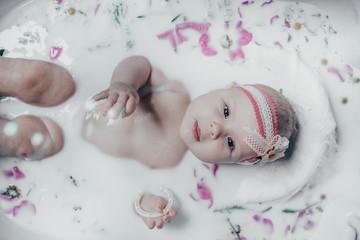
{"type": "Point", "coordinates": [250, 124]}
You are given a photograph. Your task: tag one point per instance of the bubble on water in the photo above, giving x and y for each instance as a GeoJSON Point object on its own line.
{"type": "Point", "coordinates": [37, 139]}
{"type": "Point", "coordinates": [10, 128]}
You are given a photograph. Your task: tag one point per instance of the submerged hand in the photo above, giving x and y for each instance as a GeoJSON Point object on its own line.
{"type": "Point", "coordinates": [120, 99]}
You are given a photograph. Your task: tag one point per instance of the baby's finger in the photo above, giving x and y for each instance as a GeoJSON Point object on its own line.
{"type": "Point", "coordinates": [166, 219]}
{"type": "Point", "coordinates": [172, 212]}
{"type": "Point", "coordinates": [149, 223]}
{"type": "Point", "coordinates": [130, 105]}
{"type": "Point", "coordinates": [111, 100]}
{"type": "Point", "coordinates": [101, 95]}
{"type": "Point", "coordinates": [116, 110]}
{"type": "Point", "coordinates": [159, 224]}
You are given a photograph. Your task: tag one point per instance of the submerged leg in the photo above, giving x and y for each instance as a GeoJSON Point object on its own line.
{"type": "Point", "coordinates": [30, 137]}
{"type": "Point", "coordinates": [35, 82]}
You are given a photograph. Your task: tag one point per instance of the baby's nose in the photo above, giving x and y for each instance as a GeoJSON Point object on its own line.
{"type": "Point", "coordinates": [215, 130]}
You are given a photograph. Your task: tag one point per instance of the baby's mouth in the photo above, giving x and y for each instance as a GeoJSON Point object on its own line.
{"type": "Point", "coordinates": [196, 132]}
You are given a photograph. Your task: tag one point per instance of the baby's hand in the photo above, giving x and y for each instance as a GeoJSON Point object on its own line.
{"type": "Point", "coordinates": [120, 99]}
{"type": "Point", "coordinates": [154, 203]}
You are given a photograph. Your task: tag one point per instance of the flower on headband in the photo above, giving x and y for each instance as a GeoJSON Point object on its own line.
{"type": "Point", "coordinates": [274, 151]}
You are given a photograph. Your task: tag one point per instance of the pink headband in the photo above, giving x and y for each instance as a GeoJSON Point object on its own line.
{"type": "Point", "coordinates": [266, 142]}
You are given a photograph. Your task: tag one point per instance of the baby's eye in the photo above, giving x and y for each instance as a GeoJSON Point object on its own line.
{"type": "Point", "coordinates": [230, 143]}
{"type": "Point", "coordinates": [226, 112]}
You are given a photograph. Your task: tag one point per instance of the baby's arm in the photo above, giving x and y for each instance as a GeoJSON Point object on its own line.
{"type": "Point", "coordinates": [122, 94]}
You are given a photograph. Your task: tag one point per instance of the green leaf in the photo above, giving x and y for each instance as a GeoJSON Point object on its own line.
{"type": "Point", "coordinates": [299, 210]}
{"type": "Point", "coordinates": [2, 52]}
{"type": "Point", "coordinates": [176, 17]}
{"type": "Point", "coordinates": [266, 210]}
{"type": "Point", "coordinates": [228, 209]}
{"type": "Point", "coordinates": [290, 211]}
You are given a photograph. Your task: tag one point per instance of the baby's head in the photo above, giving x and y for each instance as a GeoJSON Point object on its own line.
{"type": "Point", "coordinates": [246, 124]}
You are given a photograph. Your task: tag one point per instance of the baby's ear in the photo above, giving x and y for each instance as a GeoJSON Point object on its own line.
{"type": "Point", "coordinates": [233, 84]}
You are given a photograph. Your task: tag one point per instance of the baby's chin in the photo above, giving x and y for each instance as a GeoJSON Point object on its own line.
{"type": "Point", "coordinates": [212, 160]}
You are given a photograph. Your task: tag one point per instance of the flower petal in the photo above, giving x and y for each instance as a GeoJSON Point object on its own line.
{"type": "Point", "coordinates": [268, 222]}
{"type": "Point", "coordinates": [18, 173]}
{"type": "Point", "coordinates": [204, 39]}
{"type": "Point", "coordinates": [55, 53]}
{"type": "Point", "coordinates": [309, 225]}
{"type": "Point", "coordinates": [273, 18]}
{"type": "Point", "coordinates": [169, 35]}
{"type": "Point", "coordinates": [24, 203]}
{"type": "Point", "coordinates": [205, 193]}
{"type": "Point", "coordinates": [335, 71]}
{"type": "Point", "coordinates": [266, 3]}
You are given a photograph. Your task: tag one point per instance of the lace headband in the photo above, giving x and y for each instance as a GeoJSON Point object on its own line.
{"type": "Point", "coordinates": [266, 142]}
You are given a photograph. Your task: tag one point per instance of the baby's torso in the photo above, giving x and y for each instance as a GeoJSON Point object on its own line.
{"type": "Point", "coordinates": [151, 133]}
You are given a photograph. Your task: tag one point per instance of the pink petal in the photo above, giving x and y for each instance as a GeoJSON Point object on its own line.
{"type": "Point", "coordinates": [301, 214]}
{"type": "Point", "coordinates": [18, 173]}
{"type": "Point", "coordinates": [9, 173]}
{"type": "Point", "coordinates": [237, 53]}
{"type": "Point", "coordinates": [246, 38]}
{"type": "Point", "coordinates": [227, 25]}
{"type": "Point", "coordinates": [287, 230]}
{"type": "Point", "coordinates": [287, 24]}
{"type": "Point", "coordinates": [195, 174]}
{"type": "Point", "coordinates": [97, 8]}
{"type": "Point", "coordinates": [239, 25]}
{"type": "Point", "coordinates": [241, 238]}
{"type": "Point", "coordinates": [58, 1]}
{"type": "Point", "coordinates": [205, 193]}
{"type": "Point", "coordinates": [310, 211]}
{"type": "Point", "coordinates": [169, 35]}
{"type": "Point", "coordinates": [273, 18]}
{"type": "Point", "coordinates": [257, 218]}
{"type": "Point", "coordinates": [270, 223]}
{"type": "Point", "coordinates": [278, 44]}
{"type": "Point", "coordinates": [308, 29]}
{"type": "Point", "coordinates": [309, 225]}
{"type": "Point", "coordinates": [6, 211]}
{"type": "Point", "coordinates": [240, 15]}
{"type": "Point", "coordinates": [266, 3]}
{"type": "Point", "coordinates": [247, 2]}
{"type": "Point", "coordinates": [200, 27]}
{"type": "Point", "coordinates": [25, 203]}
{"type": "Point", "coordinates": [6, 198]}
{"type": "Point", "coordinates": [349, 68]}
{"type": "Point", "coordinates": [192, 197]}
{"type": "Point", "coordinates": [205, 165]}
{"type": "Point", "coordinates": [335, 71]}
{"type": "Point", "coordinates": [204, 39]}
{"type": "Point", "coordinates": [215, 168]}
{"type": "Point", "coordinates": [55, 53]}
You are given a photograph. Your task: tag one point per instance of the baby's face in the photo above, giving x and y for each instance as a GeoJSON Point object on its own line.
{"type": "Point", "coordinates": [212, 127]}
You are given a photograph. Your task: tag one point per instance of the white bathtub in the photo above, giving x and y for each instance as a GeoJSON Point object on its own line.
{"type": "Point", "coordinates": [9, 230]}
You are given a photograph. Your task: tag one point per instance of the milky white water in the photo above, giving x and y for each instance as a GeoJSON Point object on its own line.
{"type": "Point", "coordinates": [82, 193]}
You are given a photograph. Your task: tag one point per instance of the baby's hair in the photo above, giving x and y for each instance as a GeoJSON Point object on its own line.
{"type": "Point", "coordinates": [287, 121]}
